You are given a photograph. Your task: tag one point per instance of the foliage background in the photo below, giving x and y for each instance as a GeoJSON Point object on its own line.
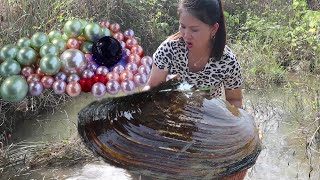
{"type": "Point", "coordinates": [270, 37]}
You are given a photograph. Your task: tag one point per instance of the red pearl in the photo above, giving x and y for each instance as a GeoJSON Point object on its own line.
{"type": "Point", "coordinates": [100, 78]}
{"type": "Point", "coordinates": [86, 84]}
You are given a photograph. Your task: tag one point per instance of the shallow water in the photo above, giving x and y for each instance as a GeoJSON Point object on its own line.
{"type": "Point", "coordinates": [286, 123]}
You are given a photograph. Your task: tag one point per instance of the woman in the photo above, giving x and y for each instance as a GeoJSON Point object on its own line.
{"type": "Point", "coordinates": [197, 53]}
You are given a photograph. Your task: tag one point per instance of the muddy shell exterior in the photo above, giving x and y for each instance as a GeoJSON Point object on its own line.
{"type": "Point", "coordinates": [171, 132]}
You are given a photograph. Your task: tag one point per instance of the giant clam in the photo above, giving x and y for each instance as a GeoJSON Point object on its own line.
{"type": "Point", "coordinates": [171, 132]}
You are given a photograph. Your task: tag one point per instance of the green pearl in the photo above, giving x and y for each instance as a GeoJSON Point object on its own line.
{"type": "Point", "coordinates": [73, 28]}
{"type": "Point", "coordinates": [65, 37]}
{"type": "Point", "coordinates": [50, 64]}
{"type": "Point", "coordinates": [92, 32]}
{"type": "Point", "coordinates": [86, 47]}
{"type": "Point", "coordinates": [9, 67]}
{"type": "Point", "coordinates": [39, 39]}
{"type": "Point", "coordinates": [24, 42]}
{"type": "Point", "coordinates": [26, 56]}
{"type": "Point", "coordinates": [84, 23]}
{"type": "Point", "coordinates": [54, 34]}
{"type": "Point", "coordinates": [49, 49]}
{"type": "Point", "coordinates": [60, 43]}
{"type": "Point", "coordinates": [8, 52]}
{"type": "Point", "coordinates": [14, 88]}
{"type": "Point", "coordinates": [105, 32]}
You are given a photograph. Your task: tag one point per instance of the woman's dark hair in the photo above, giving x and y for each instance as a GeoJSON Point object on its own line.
{"type": "Point", "coordinates": [209, 12]}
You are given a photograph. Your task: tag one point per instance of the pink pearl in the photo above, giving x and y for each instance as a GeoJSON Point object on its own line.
{"type": "Point", "coordinates": [59, 86]}
{"type": "Point", "coordinates": [113, 87]}
{"type": "Point", "coordinates": [98, 90]}
{"type": "Point", "coordinates": [92, 66]}
{"type": "Point", "coordinates": [126, 51]}
{"type": "Point", "coordinates": [47, 81]}
{"type": "Point", "coordinates": [73, 43]}
{"type": "Point", "coordinates": [73, 77]}
{"type": "Point", "coordinates": [105, 23]}
{"type": "Point", "coordinates": [133, 67]}
{"type": "Point", "coordinates": [27, 71]}
{"type": "Point", "coordinates": [118, 68]}
{"type": "Point", "coordinates": [123, 44]}
{"type": "Point", "coordinates": [102, 70]}
{"type": "Point", "coordinates": [60, 76]}
{"type": "Point", "coordinates": [35, 88]}
{"type": "Point", "coordinates": [87, 73]}
{"type": "Point", "coordinates": [119, 36]}
{"type": "Point", "coordinates": [140, 79]}
{"type": "Point", "coordinates": [127, 86]}
{"type": "Point", "coordinates": [113, 76]}
{"type": "Point", "coordinates": [146, 60]}
{"type": "Point", "coordinates": [88, 57]}
{"type": "Point", "coordinates": [128, 33]}
{"type": "Point", "coordinates": [115, 27]}
{"type": "Point", "coordinates": [144, 70]}
{"type": "Point", "coordinates": [33, 77]}
{"type": "Point", "coordinates": [73, 89]}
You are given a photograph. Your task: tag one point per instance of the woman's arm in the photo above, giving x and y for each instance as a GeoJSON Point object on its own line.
{"type": "Point", "coordinates": [157, 76]}
{"type": "Point", "coordinates": [234, 97]}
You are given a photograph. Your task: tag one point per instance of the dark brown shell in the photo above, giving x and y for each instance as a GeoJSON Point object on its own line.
{"type": "Point", "coordinates": [171, 133]}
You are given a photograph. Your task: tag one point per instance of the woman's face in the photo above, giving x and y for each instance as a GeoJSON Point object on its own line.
{"type": "Point", "coordinates": [195, 33]}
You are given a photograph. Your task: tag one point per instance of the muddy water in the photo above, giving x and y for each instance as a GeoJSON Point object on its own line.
{"type": "Point", "coordinates": [286, 121]}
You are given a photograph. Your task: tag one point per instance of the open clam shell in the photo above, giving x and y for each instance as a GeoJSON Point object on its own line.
{"type": "Point", "coordinates": [171, 133]}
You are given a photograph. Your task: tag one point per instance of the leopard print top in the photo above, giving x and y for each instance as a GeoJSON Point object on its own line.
{"type": "Point", "coordinates": [172, 56]}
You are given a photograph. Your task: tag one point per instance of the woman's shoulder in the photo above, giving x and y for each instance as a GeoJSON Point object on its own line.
{"type": "Point", "coordinates": [228, 54]}
{"type": "Point", "coordinates": [171, 45]}
{"type": "Point", "coordinates": [174, 41]}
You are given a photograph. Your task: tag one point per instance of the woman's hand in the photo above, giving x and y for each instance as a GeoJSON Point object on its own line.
{"type": "Point", "coordinates": [157, 76]}
{"type": "Point", "coordinates": [234, 97]}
